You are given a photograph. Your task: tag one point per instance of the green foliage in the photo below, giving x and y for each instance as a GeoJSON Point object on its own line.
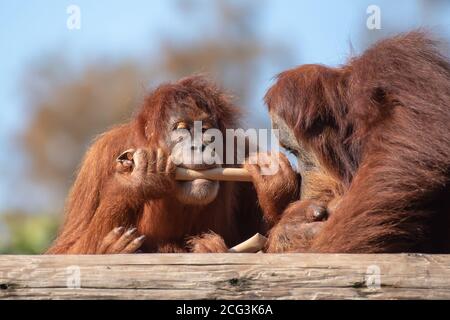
{"type": "Point", "coordinates": [27, 234]}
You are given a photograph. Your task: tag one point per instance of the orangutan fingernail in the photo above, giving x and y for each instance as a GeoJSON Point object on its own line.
{"type": "Point", "coordinates": [140, 239]}
{"type": "Point", "coordinates": [131, 231]}
{"type": "Point", "coordinates": [119, 230]}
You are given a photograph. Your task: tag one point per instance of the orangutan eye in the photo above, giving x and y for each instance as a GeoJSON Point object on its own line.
{"type": "Point", "coordinates": [182, 125]}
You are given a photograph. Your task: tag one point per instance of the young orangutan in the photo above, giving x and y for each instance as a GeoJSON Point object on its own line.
{"type": "Point", "coordinates": [125, 196]}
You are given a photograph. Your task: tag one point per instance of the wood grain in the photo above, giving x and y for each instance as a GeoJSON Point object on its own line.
{"type": "Point", "coordinates": [226, 276]}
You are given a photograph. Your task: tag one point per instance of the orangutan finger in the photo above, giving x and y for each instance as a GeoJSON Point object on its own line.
{"type": "Point", "coordinates": [161, 160]}
{"type": "Point", "coordinates": [152, 161]}
{"type": "Point", "coordinates": [254, 170]}
{"type": "Point", "coordinates": [123, 241]}
{"type": "Point", "coordinates": [134, 245]}
{"type": "Point", "coordinates": [284, 163]}
{"type": "Point", "coordinates": [140, 158]}
{"type": "Point", "coordinates": [126, 155]}
{"type": "Point", "coordinates": [110, 239]}
{"type": "Point", "coordinates": [171, 168]}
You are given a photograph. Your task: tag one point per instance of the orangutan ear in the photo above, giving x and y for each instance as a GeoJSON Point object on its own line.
{"type": "Point", "coordinates": [324, 101]}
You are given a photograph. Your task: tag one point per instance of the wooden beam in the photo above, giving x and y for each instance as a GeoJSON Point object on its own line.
{"type": "Point", "coordinates": [226, 276]}
{"type": "Point", "coordinates": [219, 174]}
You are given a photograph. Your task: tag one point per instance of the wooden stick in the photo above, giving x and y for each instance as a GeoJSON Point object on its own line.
{"type": "Point", "coordinates": [220, 174]}
{"type": "Point", "coordinates": [252, 245]}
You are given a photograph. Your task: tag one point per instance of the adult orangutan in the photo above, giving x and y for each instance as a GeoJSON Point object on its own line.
{"type": "Point", "coordinates": [373, 144]}
{"type": "Point", "coordinates": [125, 196]}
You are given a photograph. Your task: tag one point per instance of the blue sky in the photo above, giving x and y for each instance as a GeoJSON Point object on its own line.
{"type": "Point", "coordinates": [316, 32]}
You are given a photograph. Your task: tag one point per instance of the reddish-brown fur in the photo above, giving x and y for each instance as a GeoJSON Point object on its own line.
{"type": "Point", "coordinates": [380, 126]}
{"type": "Point", "coordinates": [98, 203]}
